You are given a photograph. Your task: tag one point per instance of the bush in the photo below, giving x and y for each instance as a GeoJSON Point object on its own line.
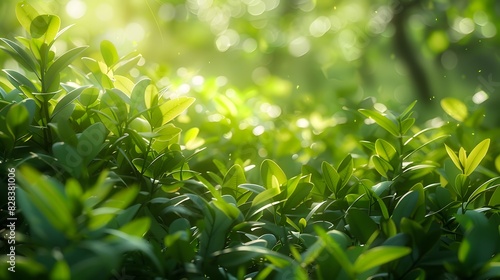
{"type": "Point", "coordinates": [110, 187]}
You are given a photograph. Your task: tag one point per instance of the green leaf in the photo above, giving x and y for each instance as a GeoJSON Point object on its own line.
{"type": "Point", "coordinates": [137, 101]}
{"type": "Point", "coordinates": [25, 14]}
{"type": "Point", "coordinates": [361, 225]}
{"type": "Point", "coordinates": [381, 120]}
{"type": "Point", "coordinates": [381, 165]}
{"type": "Point", "coordinates": [52, 74]}
{"type": "Point", "coordinates": [252, 187]}
{"type": "Point", "coordinates": [454, 108]}
{"type": "Point", "coordinates": [46, 26]}
{"type": "Point", "coordinates": [20, 55]}
{"type": "Point", "coordinates": [495, 197]}
{"type": "Point", "coordinates": [98, 191]}
{"type": "Point", "coordinates": [174, 107]}
{"type": "Point", "coordinates": [331, 177]}
{"type": "Point", "coordinates": [48, 198]}
{"type": "Point", "coordinates": [462, 157]}
{"type": "Point", "coordinates": [270, 169]}
{"type": "Point", "coordinates": [407, 112]}
{"type": "Point", "coordinates": [109, 53]}
{"type": "Point", "coordinates": [178, 247]}
{"type": "Point", "coordinates": [231, 257]}
{"type": "Point", "coordinates": [486, 186]}
{"type": "Point", "coordinates": [60, 271]}
{"type": "Point", "coordinates": [265, 196]}
{"type": "Point", "coordinates": [67, 100]}
{"type": "Point", "coordinates": [453, 157]}
{"type": "Point", "coordinates": [90, 142]}
{"type": "Point", "coordinates": [18, 119]}
{"type": "Point", "coordinates": [406, 206]}
{"type": "Point", "coordinates": [378, 256]}
{"type": "Point", "coordinates": [385, 150]}
{"type": "Point", "coordinates": [234, 177]}
{"type": "Point", "coordinates": [336, 244]}
{"type": "Point", "coordinates": [126, 64]}
{"type": "Point", "coordinates": [88, 96]}
{"type": "Point", "coordinates": [20, 81]}
{"type": "Point", "coordinates": [214, 228]}
{"type": "Point", "coordinates": [132, 243]}
{"type": "Point", "coordinates": [407, 124]}
{"type": "Point", "coordinates": [301, 192]}
{"type": "Point", "coordinates": [111, 207]}
{"type": "Point", "coordinates": [345, 170]}
{"type": "Point", "coordinates": [476, 156]}
{"type": "Point", "coordinates": [480, 240]}
{"type": "Point", "coordinates": [68, 157]}
{"type": "Point", "coordinates": [138, 227]}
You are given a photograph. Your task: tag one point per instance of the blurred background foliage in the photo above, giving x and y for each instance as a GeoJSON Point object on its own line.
{"type": "Point", "coordinates": [280, 79]}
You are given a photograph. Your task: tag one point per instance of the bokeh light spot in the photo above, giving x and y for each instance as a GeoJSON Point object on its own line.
{"type": "Point", "coordinates": [258, 130]}
{"type": "Point", "coordinates": [488, 30]}
{"type": "Point", "coordinates": [465, 26]}
{"type": "Point", "coordinates": [299, 47]}
{"type": "Point", "coordinates": [76, 9]}
{"type": "Point", "coordinates": [249, 45]}
{"type": "Point", "coordinates": [256, 8]}
{"type": "Point", "coordinates": [134, 32]}
{"type": "Point", "coordinates": [166, 12]}
{"type": "Point", "coordinates": [320, 26]}
{"type": "Point", "coordinates": [480, 97]}
{"type": "Point", "coordinates": [104, 12]}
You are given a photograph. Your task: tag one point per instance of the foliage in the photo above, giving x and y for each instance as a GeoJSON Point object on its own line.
{"type": "Point", "coordinates": [109, 183]}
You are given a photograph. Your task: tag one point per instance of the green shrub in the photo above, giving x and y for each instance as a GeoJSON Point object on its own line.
{"type": "Point", "coordinates": [105, 188]}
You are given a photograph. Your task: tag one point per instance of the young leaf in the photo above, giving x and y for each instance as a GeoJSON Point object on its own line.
{"type": "Point", "coordinates": [462, 156]}
{"type": "Point", "coordinates": [25, 14]}
{"type": "Point", "coordinates": [476, 156]}
{"type": "Point", "coordinates": [59, 64]}
{"type": "Point", "coordinates": [331, 176]}
{"type": "Point", "coordinates": [67, 100]}
{"type": "Point", "coordinates": [268, 169]}
{"type": "Point", "coordinates": [385, 150]}
{"type": "Point", "coordinates": [381, 165]}
{"type": "Point", "coordinates": [453, 157]}
{"type": "Point", "coordinates": [300, 193]}
{"type": "Point", "coordinates": [174, 107]}
{"type": "Point", "coordinates": [265, 195]}
{"type": "Point", "coordinates": [381, 120]}
{"type": "Point", "coordinates": [378, 256]}
{"type": "Point", "coordinates": [234, 177]}
{"type": "Point", "coordinates": [345, 170]}
{"type": "Point", "coordinates": [407, 124]}
{"type": "Point", "coordinates": [46, 26]}
{"type": "Point", "coordinates": [109, 53]}
{"type": "Point", "coordinates": [454, 108]}
{"type": "Point", "coordinates": [137, 101]}
{"type": "Point", "coordinates": [138, 227]}
{"type": "Point", "coordinates": [407, 112]}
